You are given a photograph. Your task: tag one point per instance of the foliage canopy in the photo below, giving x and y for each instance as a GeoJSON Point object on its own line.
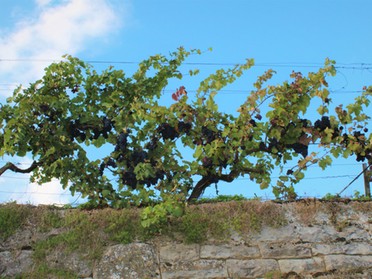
{"type": "Point", "coordinates": [73, 110]}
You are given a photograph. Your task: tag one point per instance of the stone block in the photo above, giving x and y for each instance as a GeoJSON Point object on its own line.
{"type": "Point", "coordinates": [302, 266]}
{"type": "Point", "coordinates": [316, 234]}
{"type": "Point", "coordinates": [13, 264]}
{"type": "Point", "coordinates": [71, 261]}
{"type": "Point", "coordinates": [284, 250]}
{"type": "Point", "coordinates": [343, 248]}
{"type": "Point", "coordinates": [135, 260]}
{"type": "Point", "coordinates": [228, 252]}
{"type": "Point", "coordinates": [195, 269]}
{"type": "Point", "coordinates": [179, 252]}
{"type": "Point", "coordinates": [269, 234]}
{"type": "Point", "coordinates": [251, 268]}
{"type": "Point", "coordinates": [353, 232]}
{"type": "Point", "coordinates": [347, 262]}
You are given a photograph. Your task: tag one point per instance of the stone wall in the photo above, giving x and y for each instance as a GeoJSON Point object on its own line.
{"type": "Point", "coordinates": [329, 241]}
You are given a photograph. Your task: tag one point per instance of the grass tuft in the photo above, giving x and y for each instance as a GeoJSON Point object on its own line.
{"type": "Point", "coordinates": [12, 217]}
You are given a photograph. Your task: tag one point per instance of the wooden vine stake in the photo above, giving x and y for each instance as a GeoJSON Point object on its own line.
{"type": "Point", "coordinates": [367, 180]}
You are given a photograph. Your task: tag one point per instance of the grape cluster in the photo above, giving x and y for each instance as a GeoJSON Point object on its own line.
{"type": "Point", "coordinates": [159, 175]}
{"type": "Point", "coordinates": [138, 156]}
{"type": "Point", "coordinates": [75, 131]}
{"type": "Point", "coordinates": [104, 129]}
{"type": "Point", "coordinates": [253, 122]}
{"type": "Point", "coordinates": [184, 127]}
{"type": "Point", "coordinates": [367, 155]}
{"type": "Point", "coordinates": [167, 131]}
{"type": "Point", "coordinates": [299, 148]}
{"type": "Point", "coordinates": [110, 163]}
{"type": "Point", "coordinates": [107, 126]}
{"type": "Point", "coordinates": [279, 146]}
{"type": "Point", "coordinates": [322, 124]}
{"type": "Point", "coordinates": [275, 147]}
{"type": "Point", "coordinates": [209, 135]}
{"type": "Point", "coordinates": [152, 144]}
{"type": "Point", "coordinates": [361, 156]}
{"type": "Point", "coordinates": [129, 178]}
{"type": "Point", "coordinates": [78, 130]}
{"type": "Point", "coordinates": [122, 141]}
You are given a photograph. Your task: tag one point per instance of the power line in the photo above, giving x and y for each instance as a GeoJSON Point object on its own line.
{"type": "Point", "coordinates": [310, 178]}
{"type": "Point", "coordinates": [230, 91]}
{"type": "Point", "coordinates": [363, 171]}
{"type": "Point", "coordinates": [38, 193]}
{"type": "Point", "coordinates": [351, 66]}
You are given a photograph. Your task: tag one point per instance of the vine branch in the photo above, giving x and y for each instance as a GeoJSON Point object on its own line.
{"type": "Point", "coordinates": [14, 168]}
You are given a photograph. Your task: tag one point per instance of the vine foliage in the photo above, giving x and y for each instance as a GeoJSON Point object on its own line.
{"type": "Point", "coordinates": [67, 120]}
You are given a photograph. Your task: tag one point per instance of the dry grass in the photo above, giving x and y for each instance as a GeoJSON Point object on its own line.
{"type": "Point", "coordinates": [307, 210]}
{"type": "Point", "coordinates": [218, 220]}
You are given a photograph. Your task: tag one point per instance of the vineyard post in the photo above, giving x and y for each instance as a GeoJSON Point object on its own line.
{"type": "Point", "coordinates": [367, 179]}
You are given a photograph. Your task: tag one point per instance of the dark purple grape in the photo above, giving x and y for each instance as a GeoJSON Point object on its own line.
{"type": "Point", "coordinates": [129, 179]}
{"type": "Point", "coordinates": [107, 124]}
{"type": "Point", "coordinates": [299, 148]}
{"type": "Point", "coordinates": [167, 131]}
{"type": "Point", "coordinates": [121, 142]}
{"type": "Point", "coordinates": [138, 157]}
{"type": "Point", "coordinates": [184, 127]}
{"type": "Point", "coordinates": [322, 124]}
{"type": "Point", "coordinates": [111, 163]}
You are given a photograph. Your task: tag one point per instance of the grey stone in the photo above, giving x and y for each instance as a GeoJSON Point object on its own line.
{"type": "Point", "coordinates": [302, 266]}
{"type": "Point", "coordinates": [228, 252]}
{"type": "Point", "coordinates": [179, 252]}
{"type": "Point", "coordinates": [251, 268]}
{"type": "Point", "coordinates": [15, 263]}
{"type": "Point", "coordinates": [136, 260]}
{"type": "Point", "coordinates": [195, 269]}
{"type": "Point", "coordinates": [353, 232]}
{"type": "Point", "coordinates": [20, 239]}
{"type": "Point", "coordinates": [284, 250]}
{"type": "Point", "coordinates": [71, 261]}
{"type": "Point", "coordinates": [269, 234]}
{"type": "Point", "coordinates": [346, 262]}
{"type": "Point", "coordinates": [316, 234]}
{"type": "Point", "coordinates": [343, 248]}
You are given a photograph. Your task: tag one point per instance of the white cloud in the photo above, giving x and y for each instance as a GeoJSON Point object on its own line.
{"type": "Point", "coordinates": [54, 30]}
{"type": "Point", "coordinates": [17, 187]}
{"type": "Point", "coordinates": [42, 3]}
{"type": "Point", "coordinates": [48, 193]}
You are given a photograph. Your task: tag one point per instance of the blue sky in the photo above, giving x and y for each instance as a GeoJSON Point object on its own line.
{"type": "Point", "coordinates": [284, 35]}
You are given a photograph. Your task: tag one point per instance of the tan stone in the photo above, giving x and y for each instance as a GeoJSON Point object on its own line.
{"type": "Point", "coordinates": [302, 266]}
{"type": "Point", "coordinates": [195, 269]}
{"type": "Point", "coordinates": [342, 248]}
{"type": "Point", "coordinates": [284, 250]}
{"type": "Point", "coordinates": [135, 260]}
{"type": "Point", "coordinates": [347, 262]}
{"type": "Point", "coordinates": [251, 268]}
{"type": "Point", "coordinates": [228, 252]}
{"type": "Point", "coordinates": [179, 252]}
{"type": "Point", "coordinates": [15, 263]}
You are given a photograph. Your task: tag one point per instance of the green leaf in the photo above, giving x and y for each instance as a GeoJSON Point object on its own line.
{"type": "Point", "coordinates": [299, 175]}
{"type": "Point", "coordinates": [106, 193]}
{"type": "Point", "coordinates": [198, 151]}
